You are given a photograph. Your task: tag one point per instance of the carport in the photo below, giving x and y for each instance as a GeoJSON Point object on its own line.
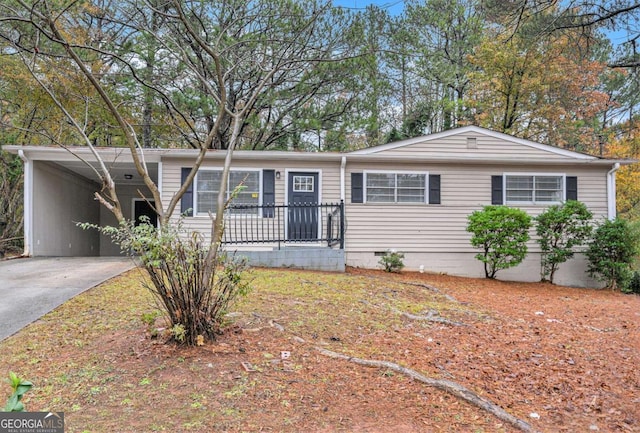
{"type": "Point", "coordinates": [59, 188]}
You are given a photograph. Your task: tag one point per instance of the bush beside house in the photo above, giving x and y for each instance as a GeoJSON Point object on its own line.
{"type": "Point", "coordinates": [612, 251]}
{"type": "Point", "coordinates": [502, 232]}
{"type": "Point", "coordinates": [561, 228]}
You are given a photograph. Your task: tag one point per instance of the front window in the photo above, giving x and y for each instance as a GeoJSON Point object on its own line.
{"type": "Point", "coordinates": [396, 187]}
{"type": "Point", "coordinates": [208, 184]}
{"type": "Point", "coordinates": [534, 189]}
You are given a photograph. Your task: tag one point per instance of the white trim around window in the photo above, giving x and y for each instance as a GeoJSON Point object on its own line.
{"type": "Point", "coordinates": [409, 189]}
{"type": "Point", "coordinates": [538, 190]}
{"type": "Point", "coordinates": [198, 213]}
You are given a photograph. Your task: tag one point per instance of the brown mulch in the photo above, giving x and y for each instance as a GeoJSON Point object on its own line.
{"type": "Point", "coordinates": [570, 355]}
{"type": "Point", "coordinates": [562, 359]}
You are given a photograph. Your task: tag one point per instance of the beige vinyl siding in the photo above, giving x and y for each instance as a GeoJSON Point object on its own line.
{"type": "Point", "coordinates": [487, 147]}
{"type": "Point", "coordinates": [329, 183]}
{"type": "Point", "coordinates": [406, 228]}
{"type": "Point", "coordinates": [375, 227]}
{"type": "Point", "coordinates": [570, 273]}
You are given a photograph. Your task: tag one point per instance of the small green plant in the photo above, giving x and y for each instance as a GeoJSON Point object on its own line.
{"type": "Point", "coordinates": [20, 388]}
{"type": "Point", "coordinates": [149, 319]}
{"type": "Point", "coordinates": [178, 332]}
{"type": "Point", "coordinates": [392, 261]}
{"type": "Point", "coordinates": [634, 284]}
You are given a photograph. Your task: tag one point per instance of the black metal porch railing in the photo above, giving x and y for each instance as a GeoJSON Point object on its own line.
{"type": "Point", "coordinates": [293, 223]}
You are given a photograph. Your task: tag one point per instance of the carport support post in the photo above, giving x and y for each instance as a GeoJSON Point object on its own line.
{"type": "Point", "coordinates": [28, 202]}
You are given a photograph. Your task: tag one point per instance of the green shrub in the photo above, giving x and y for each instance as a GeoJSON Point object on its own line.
{"type": "Point", "coordinates": [611, 253]}
{"type": "Point", "coordinates": [634, 284]}
{"type": "Point", "coordinates": [20, 388]}
{"type": "Point", "coordinates": [392, 261]}
{"type": "Point", "coordinates": [194, 293]}
{"type": "Point", "coordinates": [502, 234]}
{"type": "Point", "coordinates": [561, 228]}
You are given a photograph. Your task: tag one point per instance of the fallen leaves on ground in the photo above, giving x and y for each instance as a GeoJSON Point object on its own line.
{"type": "Point", "coordinates": [562, 359]}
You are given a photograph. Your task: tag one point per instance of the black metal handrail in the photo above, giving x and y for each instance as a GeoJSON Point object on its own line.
{"type": "Point", "coordinates": [281, 223]}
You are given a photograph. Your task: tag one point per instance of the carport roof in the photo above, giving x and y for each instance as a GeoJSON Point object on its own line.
{"type": "Point", "coordinates": [82, 153]}
{"type": "Point", "coordinates": [80, 160]}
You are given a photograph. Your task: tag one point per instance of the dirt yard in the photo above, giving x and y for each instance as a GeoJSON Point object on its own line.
{"type": "Point", "coordinates": [560, 359]}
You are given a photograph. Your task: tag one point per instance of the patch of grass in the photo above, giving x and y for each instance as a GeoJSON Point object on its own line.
{"type": "Point", "coordinates": [92, 356]}
{"type": "Point", "coordinates": [241, 388]}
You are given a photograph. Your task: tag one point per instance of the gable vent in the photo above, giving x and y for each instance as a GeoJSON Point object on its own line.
{"type": "Point", "coordinates": [472, 143]}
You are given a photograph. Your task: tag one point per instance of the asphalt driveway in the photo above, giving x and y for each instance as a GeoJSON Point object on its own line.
{"type": "Point", "coordinates": [31, 287]}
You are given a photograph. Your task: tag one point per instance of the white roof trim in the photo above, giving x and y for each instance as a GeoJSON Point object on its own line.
{"type": "Point", "coordinates": [78, 153]}
{"type": "Point", "coordinates": [379, 157]}
{"type": "Point", "coordinates": [477, 130]}
{"type": "Point", "coordinates": [72, 153]}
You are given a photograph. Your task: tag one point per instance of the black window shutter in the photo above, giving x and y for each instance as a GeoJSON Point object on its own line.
{"type": "Point", "coordinates": [496, 189]}
{"type": "Point", "coordinates": [356, 188]}
{"type": "Point", "coordinates": [572, 187]}
{"type": "Point", "coordinates": [434, 189]}
{"type": "Point", "coordinates": [268, 193]}
{"type": "Point", "coordinates": [186, 203]}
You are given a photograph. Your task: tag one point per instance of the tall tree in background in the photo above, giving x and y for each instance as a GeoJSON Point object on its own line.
{"type": "Point", "coordinates": [376, 102]}
{"type": "Point", "coordinates": [443, 35]}
{"type": "Point", "coordinates": [586, 26]}
{"type": "Point", "coordinates": [583, 15]}
{"type": "Point", "coordinates": [540, 90]}
{"type": "Point", "coordinates": [627, 145]}
{"type": "Point", "coordinates": [28, 114]}
{"type": "Point", "coordinates": [11, 204]}
{"type": "Point", "coordinates": [625, 82]}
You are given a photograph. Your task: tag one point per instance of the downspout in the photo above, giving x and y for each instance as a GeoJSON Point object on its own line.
{"type": "Point", "coordinates": [27, 203]}
{"type": "Point", "coordinates": [611, 191]}
{"type": "Point", "coordinates": [343, 164]}
{"type": "Point", "coordinates": [159, 183]}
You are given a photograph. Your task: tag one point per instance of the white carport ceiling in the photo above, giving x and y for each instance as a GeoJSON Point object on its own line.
{"type": "Point", "coordinates": [117, 169]}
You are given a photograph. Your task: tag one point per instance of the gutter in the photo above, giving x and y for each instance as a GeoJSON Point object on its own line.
{"type": "Point", "coordinates": [28, 194]}
{"type": "Point", "coordinates": [381, 158]}
{"type": "Point", "coordinates": [611, 191]}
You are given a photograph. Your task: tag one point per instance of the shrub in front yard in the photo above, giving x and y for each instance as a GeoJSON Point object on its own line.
{"type": "Point", "coordinates": [561, 228]}
{"type": "Point", "coordinates": [612, 251]}
{"type": "Point", "coordinates": [392, 261]}
{"type": "Point", "coordinates": [501, 233]}
{"type": "Point", "coordinates": [634, 284]}
{"type": "Point", "coordinates": [194, 295]}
